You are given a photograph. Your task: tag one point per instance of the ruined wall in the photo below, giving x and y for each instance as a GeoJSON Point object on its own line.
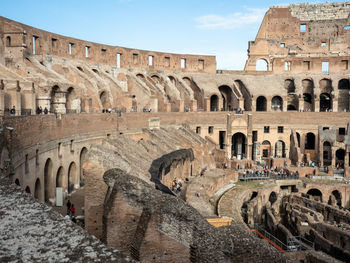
{"type": "Point", "coordinates": [46, 43]}
{"type": "Point", "coordinates": [303, 35]}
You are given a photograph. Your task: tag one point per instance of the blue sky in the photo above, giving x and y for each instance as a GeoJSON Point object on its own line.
{"type": "Point", "coordinates": [211, 27]}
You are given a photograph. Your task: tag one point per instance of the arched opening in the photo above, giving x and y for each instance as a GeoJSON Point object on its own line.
{"type": "Point", "coordinates": [266, 149]}
{"type": "Point", "coordinates": [339, 158]}
{"type": "Point", "coordinates": [335, 198]}
{"type": "Point", "coordinates": [82, 159]}
{"type": "Point", "coordinates": [327, 153]}
{"type": "Point", "coordinates": [48, 187]}
{"type": "Point", "coordinates": [261, 104]}
{"type": "Point", "coordinates": [325, 102]}
{"type": "Point", "coordinates": [103, 99]}
{"type": "Point", "coordinates": [277, 103]}
{"type": "Point", "coordinates": [27, 190]}
{"type": "Point", "coordinates": [8, 41]}
{"type": "Point", "coordinates": [308, 94]}
{"type": "Point", "coordinates": [246, 95]}
{"type": "Point", "coordinates": [228, 98]}
{"type": "Point", "coordinates": [262, 65]}
{"type": "Point", "coordinates": [197, 92]}
{"type": "Point", "coordinates": [280, 149]}
{"type": "Point", "coordinates": [344, 97]}
{"type": "Point", "coordinates": [60, 178]}
{"type": "Point", "coordinates": [273, 198]}
{"type": "Point", "coordinates": [155, 78]}
{"type": "Point", "coordinates": [289, 85]}
{"type": "Point", "coordinates": [73, 179]}
{"type": "Point", "coordinates": [72, 101]}
{"type": "Point", "coordinates": [316, 194]}
{"type": "Point", "coordinates": [310, 141]}
{"type": "Point", "coordinates": [140, 76]}
{"type": "Point", "coordinates": [291, 107]}
{"type": "Point", "coordinates": [171, 79]}
{"type": "Point", "coordinates": [187, 81]}
{"type": "Point", "coordinates": [239, 145]}
{"type": "Point", "coordinates": [37, 189]}
{"type": "Point", "coordinates": [17, 182]}
{"type": "Point", "coordinates": [214, 103]}
{"type": "Point", "coordinates": [4, 159]}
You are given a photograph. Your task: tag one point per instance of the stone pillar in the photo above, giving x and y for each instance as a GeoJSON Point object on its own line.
{"type": "Point", "coordinates": [301, 103]}
{"type": "Point", "coordinates": [333, 156]}
{"type": "Point", "coordinates": [59, 102]}
{"type": "Point", "coordinates": [241, 103]}
{"type": "Point", "coordinates": [268, 104]}
{"type": "Point", "coordinates": [228, 146]}
{"type": "Point", "coordinates": [285, 102]}
{"type": "Point", "coordinates": [346, 160]}
{"type": "Point", "coordinates": [302, 143]}
{"type": "Point", "coordinates": [193, 105]}
{"type": "Point", "coordinates": [334, 103]}
{"type": "Point", "coordinates": [181, 104]}
{"type": "Point", "coordinates": [253, 104]}
{"type": "Point", "coordinates": [317, 104]}
{"type": "Point", "coordinates": [321, 154]}
{"type": "Point", "coordinates": [2, 102]}
{"type": "Point", "coordinates": [249, 138]}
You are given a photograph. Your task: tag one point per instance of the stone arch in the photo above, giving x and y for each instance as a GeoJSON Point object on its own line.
{"type": "Point", "coordinates": [73, 177]}
{"type": "Point", "coordinates": [140, 76]}
{"type": "Point", "coordinates": [277, 103]}
{"type": "Point", "coordinates": [327, 153]}
{"type": "Point", "coordinates": [239, 141]}
{"type": "Point", "coordinates": [8, 41]}
{"type": "Point", "coordinates": [272, 197]}
{"type": "Point", "coordinates": [72, 101]}
{"type": "Point", "coordinates": [315, 193]}
{"type": "Point", "coordinates": [310, 141]}
{"type": "Point", "coordinates": [171, 79]}
{"type": "Point", "coordinates": [4, 158]}
{"type": "Point", "coordinates": [343, 95]}
{"type": "Point", "coordinates": [261, 104]}
{"type": "Point", "coordinates": [17, 182]}
{"type": "Point", "coordinates": [37, 189]}
{"type": "Point", "coordinates": [60, 178]}
{"type": "Point", "coordinates": [246, 95]}
{"type": "Point", "coordinates": [214, 102]}
{"type": "Point", "coordinates": [339, 157]}
{"type": "Point", "coordinates": [104, 99]}
{"type": "Point", "coordinates": [325, 102]}
{"type": "Point", "coordinates": [228, 98]}
{"type": "Point", "coordinates": [289, 85]}
{"type": "Point", "coordinates": [308, 94]}
{"type": "Point", "coordinates": [262, 65]}
{"type": "Point", "coordinates": [27, 189]}
{"type": "Point", "coordinates": [82, 159]}
{"type": "Point", "coordinates": [155, 78]}
{"type": "Point", "coordinates": [48, 181]}
{"type": "Point", "coordinates": [198, 94]}
{"type": "Point", "coordinates": [265, 149]}
{"type": "Point", "coordinates": [335, 198]}
{"type": "Point", "coordinates": [280, 149]}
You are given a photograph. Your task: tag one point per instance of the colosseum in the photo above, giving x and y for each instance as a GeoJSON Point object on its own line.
{"type": "Point", "coordinates": [168, 159]}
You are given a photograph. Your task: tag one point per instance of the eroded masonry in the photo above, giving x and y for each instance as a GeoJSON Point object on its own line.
{"type": "Point", "coordinates": [169, 159]}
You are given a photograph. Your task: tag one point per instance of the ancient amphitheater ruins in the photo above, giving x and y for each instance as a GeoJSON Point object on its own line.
{"type": "Point", "coordinates": [169, 159]}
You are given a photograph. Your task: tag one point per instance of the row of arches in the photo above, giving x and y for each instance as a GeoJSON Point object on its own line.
{"type": "Point", "coordinates": [69, 180]}
{"type": "Point", "coordinates": [335, 198]}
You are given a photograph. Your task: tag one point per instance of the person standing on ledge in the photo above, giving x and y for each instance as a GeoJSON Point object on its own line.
{"type": "Point", "coordinates": [72, 210]}
{"type": "Point", "coordinates": [68, 207]}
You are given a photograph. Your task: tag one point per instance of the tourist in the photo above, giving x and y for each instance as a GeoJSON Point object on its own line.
{"type": "Point", "coordinates": [13, 111]}
{"type": "Point", "coordinates": [69, 204]}
{"type": "Point", "coordinates": [67, 216]}
{"type": "Point", "coordinates": [39, 110]}
{"type": "Point", "coordinates": [72, 210]}
{"type": "Point", "coordinates": [74, 220]}
{"type": "Point", "coordinates": [46, 111]}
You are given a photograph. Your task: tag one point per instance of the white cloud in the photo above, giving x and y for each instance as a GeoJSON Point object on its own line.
{"type": "Point", "coordinates": [230, 21]}
{"type": "Point", "coordinates": [233, 60]}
